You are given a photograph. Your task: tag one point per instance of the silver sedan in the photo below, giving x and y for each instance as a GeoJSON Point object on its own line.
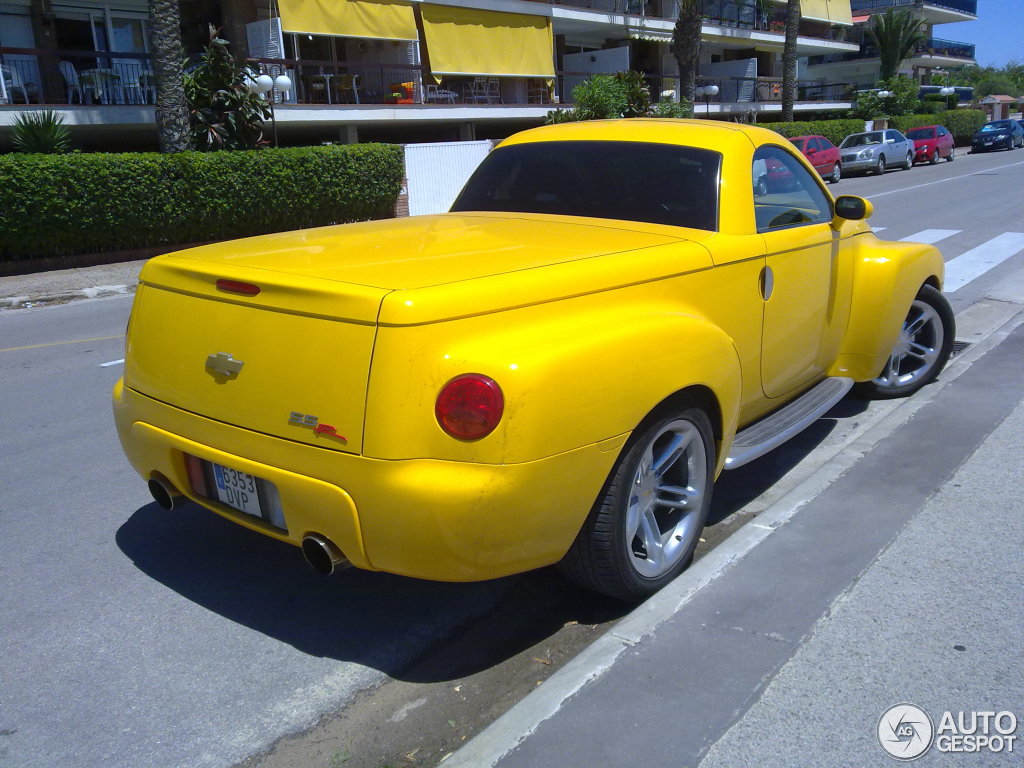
{"type": "Point", "coordinates": [876, 151]}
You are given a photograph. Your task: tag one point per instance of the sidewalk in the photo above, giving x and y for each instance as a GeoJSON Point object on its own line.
{"type": "Point", "coordinates": [68, 284]}
{"type": "Point", "coordinates": [900, 583]}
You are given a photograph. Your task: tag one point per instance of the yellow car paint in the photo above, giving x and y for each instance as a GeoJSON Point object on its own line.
{"type": "Point", "coordinates": [587, 325]}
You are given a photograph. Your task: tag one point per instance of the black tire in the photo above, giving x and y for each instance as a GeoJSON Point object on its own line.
{"type": "Point", "coordinates": [606, 556]}
{"type": "Point", "coordinates": [935, 157]}
{"type": "Point", "coordinates": [837, 174]}
{"type": "Point", "coordinates": [880, 168]}
{"type": "Point", "coordinates": [909, 163]}
{"type": "Point", "coordinates": [952, 155]}
{"type": "Point", "coordinates": [921, 352]}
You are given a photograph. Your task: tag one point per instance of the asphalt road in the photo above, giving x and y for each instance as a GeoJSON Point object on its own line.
{"type": "Point", "coordinates": [136, 637]}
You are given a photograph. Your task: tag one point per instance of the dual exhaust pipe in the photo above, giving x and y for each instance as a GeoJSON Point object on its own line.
{"type": "Point", "coordinates": [322, 554]}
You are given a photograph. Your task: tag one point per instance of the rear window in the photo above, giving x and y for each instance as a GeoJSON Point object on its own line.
{"type": "Point", "coordinates": [999, 125]}
{"type": "Point", "coordinates": [632, 181]}
{"type": "Point", "coordinates": [862, 139]}
{"type": "Point", "coordinates": [921, 133]}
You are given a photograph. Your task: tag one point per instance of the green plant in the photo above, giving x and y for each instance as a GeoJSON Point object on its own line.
{"type": "Point", "coordinates": [897, 34]}
{"type": "Point", "coordinates": [55, 205]}
{"type": "Point", "coordinates": [224, 113]}
{"type": "Point", "coordinates": [903, 99]}
{"type": "Point", "coordinates": [833, 130]}
{"type": "Point", "coordinates": [41, 132]}
{"type": "Point", "coordinates": [672, 109]}
{"type": "Point", "coordinates": [624, 94]}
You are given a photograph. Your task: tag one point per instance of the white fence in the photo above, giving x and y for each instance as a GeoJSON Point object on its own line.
{"type": "Point", "coordinates": [436, 173]}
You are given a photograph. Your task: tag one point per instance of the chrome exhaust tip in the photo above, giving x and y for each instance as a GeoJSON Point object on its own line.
{"type": "Point", "coordinates": [323, 555]}
{"type": "Point", "coordinates": [164, 494]}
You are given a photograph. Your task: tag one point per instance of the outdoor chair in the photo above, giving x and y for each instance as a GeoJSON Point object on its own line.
{"type": "Point", "coordinates": [14, 83]}
{"type": "Point", "coordinates": [436, 95]}
{"type": "Point", "coordinates": [71, 83]}
{"type": "Point", "coordinates": [346, 89]}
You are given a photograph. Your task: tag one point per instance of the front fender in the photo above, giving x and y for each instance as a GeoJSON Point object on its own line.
{"type": "Point", "coordinates": [886, 278]}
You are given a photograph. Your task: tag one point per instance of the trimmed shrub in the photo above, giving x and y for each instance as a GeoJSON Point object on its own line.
{"type": "Point", "coordinates": [963, 123]}
{"type": "Point", "coordinates": [833, 130]}
{"type": "Point", "coordinates": [58, 205]}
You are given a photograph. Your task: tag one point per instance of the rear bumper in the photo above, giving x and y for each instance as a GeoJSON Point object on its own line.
{"type": "Point", "coordinates": [441, 520]}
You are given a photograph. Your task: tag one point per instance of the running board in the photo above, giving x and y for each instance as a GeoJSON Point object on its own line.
{"type": "Point", "coordinates": [762, 436]}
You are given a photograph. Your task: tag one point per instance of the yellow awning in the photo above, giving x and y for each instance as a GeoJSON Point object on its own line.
{"type": "Point", "coordinates": [834, 11]}
{"type": "Point", "coordinates": [467, 41]}
{"type": "Point", "coordinates": [380, 19]}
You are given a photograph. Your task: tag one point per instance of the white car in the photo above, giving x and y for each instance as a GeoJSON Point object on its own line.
{"type": "Point", "coordinates": [876, 151]}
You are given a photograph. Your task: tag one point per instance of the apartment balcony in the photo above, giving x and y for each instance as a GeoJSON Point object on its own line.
{"type": "Point", "coordinates": [931, 53]}
{"type": "Point", "coordinates": [932, 11]}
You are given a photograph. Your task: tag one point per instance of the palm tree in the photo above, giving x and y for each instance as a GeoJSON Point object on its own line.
{"type": "Point", "coordinates": [686, 44]}
{"type": "Point", "coordinates": [172, 115]}
{"type": "Point", "coordinates": [897, 34]}
{"type": "Point", "coordinates": [793, 13]}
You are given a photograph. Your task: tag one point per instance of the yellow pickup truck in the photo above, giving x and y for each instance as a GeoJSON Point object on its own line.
{"type": "Point", "coordinates": [555, 371]}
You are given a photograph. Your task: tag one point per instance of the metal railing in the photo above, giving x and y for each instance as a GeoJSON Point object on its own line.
{"type": "Point", "coordinates": [963, 6]}
{"type": "Point", "coordinates": [48, 76]}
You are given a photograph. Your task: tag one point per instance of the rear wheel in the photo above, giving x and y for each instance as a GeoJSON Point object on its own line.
{"type": "Point", "coordinates": [645, 525]}
{"type": "Point", "coordinates": [837, 174]}
{"type": "Point", "coordinates": [880, 168]}
{"type": "Point", "coordinates": [921, 351]}
{"type": "Point", "coordinates": [909, 162]}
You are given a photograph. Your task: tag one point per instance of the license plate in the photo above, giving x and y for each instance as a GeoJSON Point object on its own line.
{"type": "Point", "coordinates": [237, 489]}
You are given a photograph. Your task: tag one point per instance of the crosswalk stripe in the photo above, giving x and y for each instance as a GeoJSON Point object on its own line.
{"type": "Point", "coordinates": [930, 236]}
{"type": "Point", "coordinates": [876, 230]}
{"type": "Point", "coordinates": [977, 261]}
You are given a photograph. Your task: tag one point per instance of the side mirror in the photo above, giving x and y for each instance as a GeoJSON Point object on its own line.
{"type": "Point", "coordinates": [853, 208]}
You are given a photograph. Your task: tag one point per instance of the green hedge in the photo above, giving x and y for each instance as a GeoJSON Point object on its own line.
{"type": "Point", "coordinates": [833, 130]}
{"type": "Point", "coordinates": [962, 123]}
{"type": "Point", "coordinates": [57, 205]}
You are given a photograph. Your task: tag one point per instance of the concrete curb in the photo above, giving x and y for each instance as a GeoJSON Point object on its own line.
{"type": "Point", "coordinates": [96, 292]}
{"type": "Point", "coordinates": [989, 321]}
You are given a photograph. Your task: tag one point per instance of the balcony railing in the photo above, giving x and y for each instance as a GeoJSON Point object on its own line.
{"type": "Point", "coordinates": [949, 48]}
{"type": "Point", "coordinates": [963, 6]}
{"type": "Point", "coordinates": [47, 76]}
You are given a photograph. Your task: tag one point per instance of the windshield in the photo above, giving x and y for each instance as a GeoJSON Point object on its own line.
{"type": "Point", "coordinates": [921, 133]}
{"type": "Point", "coordinates": [998, 125]}
{"type": "Point", "coordinates": [634, 181]}
{"type": "Point", "coordinates": [862, 139]}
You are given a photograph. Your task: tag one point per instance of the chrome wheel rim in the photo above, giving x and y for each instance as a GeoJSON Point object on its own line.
{"type": "Point", "coordinates": [917, 349]}
{"type": "Point", "coordinates": [836, 174]}
{"type": "Point", "coordinates": [665, 499]}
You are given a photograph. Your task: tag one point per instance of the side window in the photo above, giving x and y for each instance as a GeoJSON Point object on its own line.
{"type": "Point", "coordinates": [785, 194]}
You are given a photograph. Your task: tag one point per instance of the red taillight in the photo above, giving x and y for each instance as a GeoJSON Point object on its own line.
{"type": "Point", "coordinates": [469, 407]}
{"type": "Point", "coordinates": [236, 286]}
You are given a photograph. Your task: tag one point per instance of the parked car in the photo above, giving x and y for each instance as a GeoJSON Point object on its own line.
{"type": "Point", "coordinates": [932, 142]}
{"type": "Point", "coordinates": [998, 134]}
{"type": "Point", "coordinates": [556, 371]}
{"type": "Point", "coordinates": [876, 151]}
{"type": "Point", "coordinates": [822, 154]}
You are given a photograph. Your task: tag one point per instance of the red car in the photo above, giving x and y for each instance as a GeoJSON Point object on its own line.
{"type": "Point", "coordinates": [930, 143]}
{"type": "Point", "coordinates": [822, 154]}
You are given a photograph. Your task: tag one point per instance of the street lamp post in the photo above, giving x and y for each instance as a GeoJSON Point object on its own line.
{"type": "Point", "coordinates": [946, 92]}
{"type": "Point", "coordinates": [264, 84]}
{"type": "Point", "coordinates": [706, 92]}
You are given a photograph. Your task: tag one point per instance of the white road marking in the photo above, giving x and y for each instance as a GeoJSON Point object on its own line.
{"type": "Point", "coordinates": [943, 181]}
{"type": "Point", "coordinates": [977, 261]}
{"type": "Point", "coordinates": [930, 236]}
{"type": "Point", "coordinates": [876, 230]}
{"type": "Point", "coordinates": [112, 362]}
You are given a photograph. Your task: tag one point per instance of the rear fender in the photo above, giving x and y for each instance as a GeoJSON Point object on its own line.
{"type": "Point", "coordinates": [573, 373]}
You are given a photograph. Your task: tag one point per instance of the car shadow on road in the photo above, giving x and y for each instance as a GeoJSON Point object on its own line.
{"type": "Point", "coordinates": [737, 488]}
{"type": "Point", "coordinates": [389, 623]}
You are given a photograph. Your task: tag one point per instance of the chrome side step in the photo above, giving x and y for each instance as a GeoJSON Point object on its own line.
{"type": "Point", "coordinates": [773, 430]}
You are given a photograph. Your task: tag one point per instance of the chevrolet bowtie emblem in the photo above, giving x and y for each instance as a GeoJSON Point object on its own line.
{"type": "Point", "coordinates": [224, 364]}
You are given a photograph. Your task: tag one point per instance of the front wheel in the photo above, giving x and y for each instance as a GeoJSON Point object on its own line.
{"type": "Point", "coordinates": [921, 351]}
{"type": "Point", "coordinates": [645, 525]}
{"type": "Point", "coordinates": [934, 158]}
{"type": "Point", "coordinates": [880, 168]}
{"type": "Point", "coordinates": [837, 174]}
{"type": "Point", "coordinates": [952, 156]}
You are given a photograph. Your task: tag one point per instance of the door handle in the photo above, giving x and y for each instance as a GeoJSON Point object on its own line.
{"type": "Point", "coordinates": [767, 282]}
